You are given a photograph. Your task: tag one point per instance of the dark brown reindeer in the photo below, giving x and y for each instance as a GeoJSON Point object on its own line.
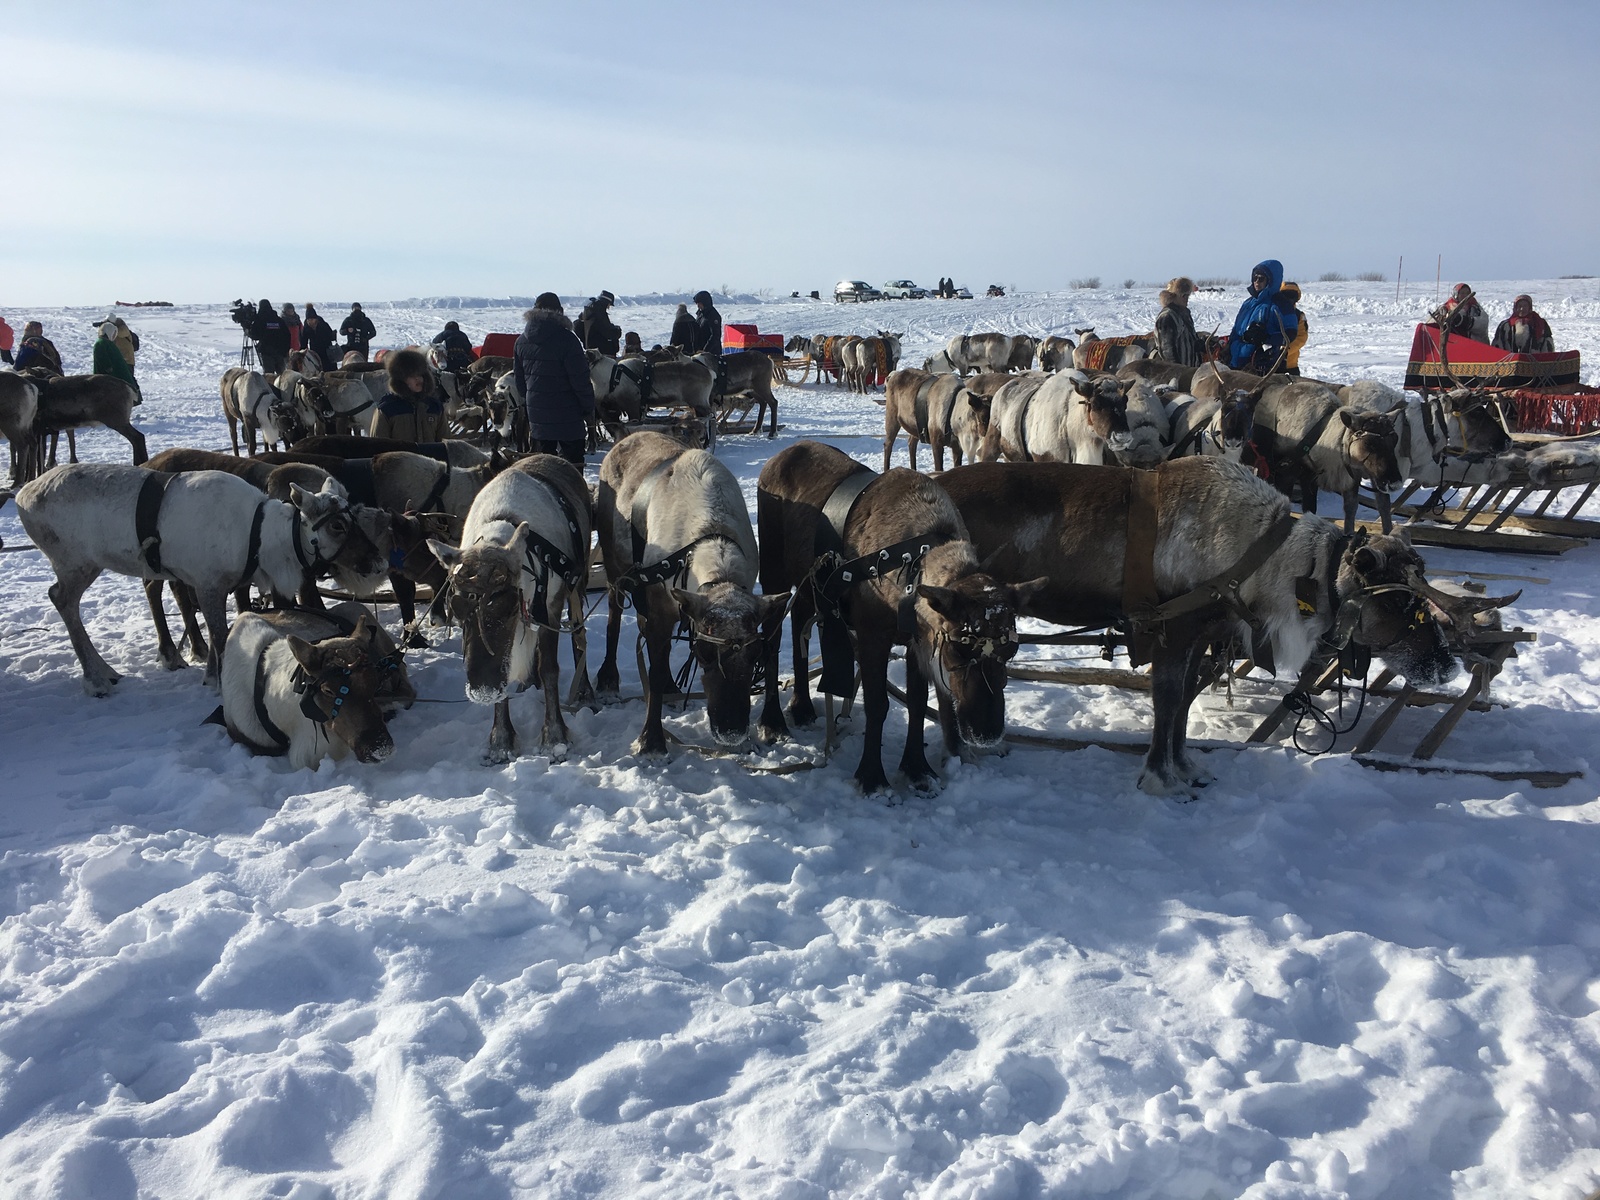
{"type": "Point", "coordinates": [1158, 548]}
{"type": "Point", "coordinates": [71, 402]}
{"type": "Point", "coordinates": [675, 537]}
{"type": "Point", "coordinates": [902, 573]}
{"type": "Point", "coordinates": [923, 405]}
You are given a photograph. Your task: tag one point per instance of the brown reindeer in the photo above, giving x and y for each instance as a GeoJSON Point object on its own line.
{"type": "Point", "coordinates": [1195, 524]}
{"type": "Point", "coordinates": [71, 402]}
{"type": "Point", "coordinates": [957, 624]}
{"type": "Point", "coordinates": [924, 406]}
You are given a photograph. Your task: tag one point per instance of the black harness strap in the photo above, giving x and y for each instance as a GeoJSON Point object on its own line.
{"type": "Point", "coordinates": [146, 517]}
{"type": "Point", "coordinates": [643, 380]}
{"type": "Point", "coordinates": [433, 450]}
{"type": "Point", "coordinates": [252, 557]}
{"type": "Point", "coordinates": [838, 658]}
{"type": "Point", "coordinates": [280, 740]}
{"type": "Point", "coordinates": [436, 496]}
{"type": "Point", "coordinates": [569, 567]}
{"type": "Point", "coordinates": [836, 509]}
{"type": "Point", "coordinates": [1223, 587]}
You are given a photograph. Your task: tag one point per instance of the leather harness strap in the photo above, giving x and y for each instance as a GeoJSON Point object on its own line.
{"type": "Point", "coordinates": [252, 558]}
{"type": "Point", "coordinates": [146, 517]}
{"type": "Point", "coordinates": [356, 476]}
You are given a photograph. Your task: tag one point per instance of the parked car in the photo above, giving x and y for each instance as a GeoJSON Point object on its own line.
{"type": "Point", "coordinates": [855, 290]}
{"type": "Point", "coordinates": [903, 289]}
{"type": "Point", "coordinates": [959, 294]}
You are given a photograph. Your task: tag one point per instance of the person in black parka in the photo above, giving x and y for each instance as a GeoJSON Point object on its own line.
{"type": "Point", "coordinates": [707, 325]}
{"type": "Point", "coordinates": [457, 347]}
{"type": "Point", "coordinates": [318, 337]}
{"type": "Point", "coordinates": [358, 330]}
{"type": "Point", "coordinates": [552, 373]}
{"type": "Point", "coordinates": [683, 330]}
{"type": "Point", "coordinates": [271, 335]}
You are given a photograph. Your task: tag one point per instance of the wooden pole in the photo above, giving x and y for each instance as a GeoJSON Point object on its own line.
{"type": "Point", "coordinates": [1398, 271]}
{"type": "Point", "coordinates": [1438, 277]}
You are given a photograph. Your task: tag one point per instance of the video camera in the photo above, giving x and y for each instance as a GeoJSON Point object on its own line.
{"type": "Point", "coordinates": [242, 313]}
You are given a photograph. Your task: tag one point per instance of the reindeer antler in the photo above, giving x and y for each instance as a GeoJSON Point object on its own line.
{"type": "Point", "coordinates": [1460, 609]}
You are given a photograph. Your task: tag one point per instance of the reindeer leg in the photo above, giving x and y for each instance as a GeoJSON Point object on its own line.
{"type": "Point", "coordinates": [171, 658]}
{"type": "Point", "coordinates": [1385, 509]}
{"type": "Point", "coordinates": [554, 737]}
{"type": "Point", "coordinates": [802, 615]}
{"type": "Point", "coordinates": [1169, 699]}
{"type": "Point", "coordinates": [135, 439]}
{"type": "Point", "coordinates": [502, 734]}
{"type": "Point", "coordinates": [652, 741]}
{"type": "Point", "coordinates": [606, 683]}
{"type": "Point", "coordinates": [914, 759]}
{"type": "Point", "coordinates": [66, 593]}
{"type": "Point", "coordinates": [188, 607]}
{"type": "Point", "coordinates": [72, 447]}
{"type": "Point", "coordinates": [405, 595]}
{"type": "Point", "coordinates": [214, 606]}
{"type": "Point", "coordinates": [233, 433]}
{"type": "Point", "coordinates": [911, 450]}
{"type": "Point", "coordinates": [872, 650]}
{"type": "Point", "coordinates": [1183, 767]}
{"type": "Point", "coordinates": [582, 694]}
{"type": "Point", "coordinates": [1352, 500]}
{"type": "Point", "coordinates": [891, 431]}
{"type": "Point", "coordinates": [771, 727]}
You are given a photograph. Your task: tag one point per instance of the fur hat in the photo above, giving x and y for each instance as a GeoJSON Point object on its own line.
{"type": "Point", "coordinates": [1165, 297]}
{"type": "Point", "coordinates": [401, 365]}
{"type": "Point", "coordinates": [547, 302]}
{"type": "Point", "coordinates": [1289, 292]}
{"type": "Point", "coordinates": [1181, 285]}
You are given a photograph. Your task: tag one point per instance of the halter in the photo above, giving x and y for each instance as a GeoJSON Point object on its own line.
{"type": "Point", "coordinates": [316, 560]}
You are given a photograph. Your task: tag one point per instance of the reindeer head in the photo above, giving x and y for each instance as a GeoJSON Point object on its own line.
{"type": "Point", "coordinates": [1106, 402]}
{"type": "Point", "coordinates": [486, 600]}
{"type": "Point", "coordinates": [1235, 418]}
{"type": "Point", "coordinates": [966, 633]}
{"type": "Point", "coordinates": [1482, 421]}
{"type": "Point", "coordinates": [731, 628]}
{"type": "Point", "coordinates": [338, 535]}
{"type": "Point", "coordinates": [1380, 575]}
{"type": "Point", "coordinates": [342, 683]}
{"type": "Point", "coordinates": [1371, 446]}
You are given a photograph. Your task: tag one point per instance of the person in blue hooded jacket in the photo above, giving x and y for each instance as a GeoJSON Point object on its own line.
{"type": "Point", "coordinates": [1262, 329]}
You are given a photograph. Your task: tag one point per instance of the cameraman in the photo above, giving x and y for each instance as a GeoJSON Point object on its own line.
{"type": "Point", "coordinates": [358, 331]}
{"type": "Point", "coordinates": [271, 335]}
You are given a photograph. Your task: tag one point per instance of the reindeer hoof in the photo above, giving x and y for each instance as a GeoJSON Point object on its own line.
{"type": "Point", "coordinates": [803, 715]}
{"type": "Point", "coordinates": [926, 785]}
{"type": "Point", "coordinates": [414, 639]}
{"type": "Point", "coordinates": [1154, 784]}
{"type": "Point", "coordinates": [172, 660]}
{"type": "Point", "coordinates": [99, 688]}
{"type": "Point", "coordinates": [557, 750]}
{"type": "Point", "coordinates": [771, 735]}
{"type": "Point", "coordinates": [651, 749]}
{"type": "Point", "coordinates": [496, 755]}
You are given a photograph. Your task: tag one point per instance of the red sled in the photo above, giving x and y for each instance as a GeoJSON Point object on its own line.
{"type": "Point", "coordinates": [1477, 364]}
{"type": "Point", "coordinates": [497, 345]}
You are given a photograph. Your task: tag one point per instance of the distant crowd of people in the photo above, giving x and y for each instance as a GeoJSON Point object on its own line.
{"type": "Point", "coordinates": [278, 333]}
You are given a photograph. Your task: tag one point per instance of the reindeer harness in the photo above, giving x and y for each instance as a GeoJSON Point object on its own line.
{"type": "Point", "coordinates": [147, 527]}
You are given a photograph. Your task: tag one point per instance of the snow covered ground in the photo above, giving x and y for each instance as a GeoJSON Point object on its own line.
{"type": "Point", "coordinates": [223, 978]}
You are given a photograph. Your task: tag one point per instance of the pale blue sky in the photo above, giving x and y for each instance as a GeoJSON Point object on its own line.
{"type": "Point", "coordinates": [198, 151]}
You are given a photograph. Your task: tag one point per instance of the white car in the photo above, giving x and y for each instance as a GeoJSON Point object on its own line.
{"type": "Point", "coordinates": [903, 289]}
{"type": "Point", "coordinates": [855, 290]}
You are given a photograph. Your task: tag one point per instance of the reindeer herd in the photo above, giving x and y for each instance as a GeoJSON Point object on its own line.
{"type": "Point", "coordinates": [1153, 500]}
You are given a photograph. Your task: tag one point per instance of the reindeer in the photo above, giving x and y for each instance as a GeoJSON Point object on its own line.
{"type": "Point", "coordinates": [958, 625]}
{"type": "Point", "coordinates": [455, 451]}
{"type": "Point", "coordinates": [924, 406]}
{"type": "Point", "coordinates": [1094, 353]}
{"type": "Point", "coordinates": [990, 352]}
{"type": "Point", "coordinates": [311, 686]}
{"type": "Point", "coordinates": [523, 564]}
{"type": "Point", "coordinates": [1070, 524]}
{"type": "Point", "coordinates": [19, 406]}
{"type": "Point", "coordinates": [1007, 416]}
{"type": "Point", "coordinates": [1055, 353]}
{"type": "Point", "coordinates": [209, 530]}
{"type": "Point", "coordinates": [625, 390]}
{"type": "Point", "coordinates": [1149, 433]}
{"type": "Point", "coordinates": [1068, 418]}
{"type": "Point", "coordinates": [675, 536]}
{"type": "Point", "coordinates": [748, 375]}
{"type": "Point", "coordinates": [1161, 373]}
{"type": "Point", "coordinates": [250, 399]}
{"type": "Point", "coordinates": [1215, 427]}
{"type": "Point", "coordinates": [70, 402]}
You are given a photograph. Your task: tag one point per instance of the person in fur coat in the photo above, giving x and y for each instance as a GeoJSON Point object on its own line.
{"type": "Point", "coordinates": [682, 330]}
{"type": "Point", "coordinates": [412, 411]}
{"type": "Point", "coordinates": [1524, 331]}
{"type": "Point", "coordinates": [552, 372]}
{"type": "Point", "coordinates": [1176, 340]}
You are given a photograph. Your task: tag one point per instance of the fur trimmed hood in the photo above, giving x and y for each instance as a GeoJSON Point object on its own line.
{"type": "Point", "coordinates": [538, 318]}
{"type": "Point", "coordinates": [406, 364]}
{"type": "Point", "coordinates": [1182, 285]}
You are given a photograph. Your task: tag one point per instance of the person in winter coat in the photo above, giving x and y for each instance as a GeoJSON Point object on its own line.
{"type": "Point", "coordinates": [358, 331]}
{"type": "Point", "coordinates": [682, 330]}
{"type": "Point", "coordinates": [598, 330]}
{"type": "Point", "coordinates": [1289, 304]}
{"type": "Point", "coordinates": [108, 359]}
{"type": "Point", "coordinates": [291, 322]}
{"type": "Point", "coordinates": [1262, 330]}
{"type": "Point", "coordinates": [38, 354]}
{"type": "Point", "coordinates": [552, 372]}
{"type": "Point", "coordinates": [271, 336]}
{"type": "Point", "coordinates": [457, 347]}
{"type": "Point", "coordinates": [632, 347]}
{"type": "Point", "coordinates": [126, 339]}
{"type": "Point", "coordinates": [1524, 331]}
{"type": "Point", "coordinates": [318, 336]}
{"type": "Point", "coordinates": [1176, 340]}
{"type": "Point", "coordinates": [1462, 315]}
{"type": "Point", "coordinates": [707, 325]}
{"type": "Point", "coordinates": [412, 410]}
{"type": "Point", "coordinates": [8, 340]}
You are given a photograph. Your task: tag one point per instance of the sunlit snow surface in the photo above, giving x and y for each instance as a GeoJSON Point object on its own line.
{"type": "Point", "coordinates": [222, 978]}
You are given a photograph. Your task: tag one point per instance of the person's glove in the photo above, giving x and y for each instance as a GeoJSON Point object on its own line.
{"type": "Point", "coordinates": [1254, 335]}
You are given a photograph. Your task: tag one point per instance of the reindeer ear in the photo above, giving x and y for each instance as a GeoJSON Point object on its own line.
{"type": "Point", "coordinates": [1083, 387]}
{"type": "Point", "coordinates": [941, 600]}
{"type": "Point", "coordinates": [1348, 416]}
{"type": "Point", "coordinates": [519, 539]}
{"type": "Point", "coordinates": [692, 603]}
{"type": "Point", "coordinates": [297, 495]}
{"type": "Point", "coordinates": [305, 653]}
{"type": "Point", "coordinates": [447, 554]}
{"type": "Point", "coordinates": [1366, 560]}
{"type": "Point", "coordinates": [365, 630]}
{"type": "Point", "coordinates": [771, 609]}
{"type": "Point", "coordinates": [1022, 594]}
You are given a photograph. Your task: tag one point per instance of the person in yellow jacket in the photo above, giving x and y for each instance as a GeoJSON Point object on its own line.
{"type": "Point", "coordinates": [1288, 300]}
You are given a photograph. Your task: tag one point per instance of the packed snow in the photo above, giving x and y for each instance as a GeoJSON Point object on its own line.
{"type": "Point", "coordinates": [223, 978]}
